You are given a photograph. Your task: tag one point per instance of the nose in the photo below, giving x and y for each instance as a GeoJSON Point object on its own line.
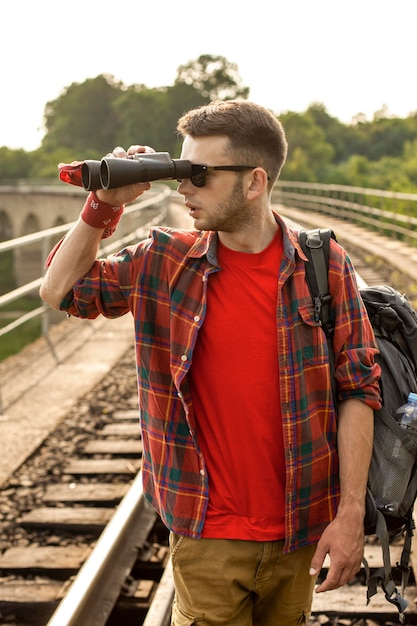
{"type": "Point", "coordinates": [184, 185]}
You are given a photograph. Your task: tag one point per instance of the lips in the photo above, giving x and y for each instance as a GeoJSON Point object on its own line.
{"type": "Point", "coordinates": [192, 210]}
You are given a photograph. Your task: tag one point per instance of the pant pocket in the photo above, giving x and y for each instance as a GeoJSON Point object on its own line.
{"type": "Point", "coordinates": [180, 618]}
{"type": "Point", "coordinates": [175, 542]}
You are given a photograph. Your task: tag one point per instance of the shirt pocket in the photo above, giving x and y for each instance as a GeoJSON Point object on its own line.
{"type": "Point", "coordinates": [311, 339]}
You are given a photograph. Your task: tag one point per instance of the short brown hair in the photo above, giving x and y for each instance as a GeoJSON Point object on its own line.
{"type": "Point", "coordinates": [255, 134]}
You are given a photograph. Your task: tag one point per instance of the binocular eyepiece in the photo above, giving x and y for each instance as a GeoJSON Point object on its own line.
{"type": "Point", "coordinates": [112, 172]}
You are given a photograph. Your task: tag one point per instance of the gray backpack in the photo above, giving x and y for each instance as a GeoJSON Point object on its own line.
{"type": "Point", "coordinates": [389, 503]}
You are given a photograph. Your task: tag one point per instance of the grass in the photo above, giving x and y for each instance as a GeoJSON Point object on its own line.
{"type": "Point", "coordinates": [7, 278]}
{"type": "Point", "coordinates": [14, 341]}
{"type": "Point", "coordinates": [17, 339]}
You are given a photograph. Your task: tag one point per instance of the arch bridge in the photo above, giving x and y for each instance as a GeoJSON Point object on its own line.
{"type": "Point", "coordinates": [26, 209]}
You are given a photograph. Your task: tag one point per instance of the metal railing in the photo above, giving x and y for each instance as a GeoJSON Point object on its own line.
{"type": "Point", "coordinates": [391, 213]}
{"type": "Point", "coordinates": [387, 212]}
{"type": "Point", "coordinates": [46, 238]}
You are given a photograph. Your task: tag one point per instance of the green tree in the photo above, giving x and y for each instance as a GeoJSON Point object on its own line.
{"type": "Point", "coordinates": [386, 137]}
{"type": "Point", "coordinates": [380, 137]}
{"type": "Point", "coordinates": [139, 111]}
{"type": "Point", "coordinates": [149, 116]}
{"type": "Point", "coordinates": [308, 151]}
{"type": "Point", "coordinates": [89, 119]}
{"type": "Point", "coordinates": [14, 164]}
{"type": "Point", "coordinates": [335, 132]}
{"type": "Point", "coordinates": [388, 173]}
{"type": "Point", "coordinates": [83, 118]}
{"type": "Point", "coordinates": [410, 162]}
{"type": "Point", "coordinates": [213, 77]}
{"type": "Point", "coordinates": [45, 163]}
{"type": "Point", "coordinates": [180, 98]}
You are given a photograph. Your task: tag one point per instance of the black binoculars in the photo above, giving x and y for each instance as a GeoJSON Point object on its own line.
{"type": "Point", "coordinates": [112, 172]}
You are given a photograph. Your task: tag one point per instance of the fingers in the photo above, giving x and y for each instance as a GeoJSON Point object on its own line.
{"type": "Point", "coordinates": [128, 193]}
{"type": "Point", "coordinates": [137, 150]}
{"type": "Point", "coordinates": [318, 558]}
{"type": "Point", "coordinates": [121, 153]}
{"type": "Point", "coordinates": [343, 565]}
{"type": "Point", "coordinates": [122, 195]}
{"type": "Point", "coordinates": [342, 571]}
{"type": "Point", "coordinates": [337, 578]}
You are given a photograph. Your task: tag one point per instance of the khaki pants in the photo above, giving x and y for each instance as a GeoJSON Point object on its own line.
{"type": "Point", "coordinates": [240, 583]}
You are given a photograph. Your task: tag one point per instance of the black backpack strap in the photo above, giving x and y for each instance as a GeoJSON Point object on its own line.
{"type": "Point", "coordinates": [383, 575]}
{"type": "Point", "coordinates": [404, 564]}
{"type": "Point", "coordinates": [375, 523]}
{"type": "Point", "coordinates": [315, 244]}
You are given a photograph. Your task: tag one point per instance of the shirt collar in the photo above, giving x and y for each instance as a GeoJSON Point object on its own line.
{"type": "Point", "coordinates": [206, 243]}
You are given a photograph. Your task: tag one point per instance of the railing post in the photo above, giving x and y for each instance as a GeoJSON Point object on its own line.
{"type": "Point", "coordinates": [46, 247]}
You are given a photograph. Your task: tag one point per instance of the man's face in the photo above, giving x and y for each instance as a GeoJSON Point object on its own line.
{"type": "Point", "coordinates": [221, 204]}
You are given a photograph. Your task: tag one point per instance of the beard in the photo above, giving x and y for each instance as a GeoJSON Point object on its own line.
{"type": "Point", "coordinates": [231, 215]}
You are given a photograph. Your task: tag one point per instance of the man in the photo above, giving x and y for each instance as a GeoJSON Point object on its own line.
{"type": "Point", "coordinates": [244, 457]}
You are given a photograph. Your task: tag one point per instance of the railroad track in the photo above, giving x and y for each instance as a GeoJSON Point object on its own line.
{"type": "Point", "coordinates": [61, 504]}
{"type": "Point", "coordinates": [74, 525]}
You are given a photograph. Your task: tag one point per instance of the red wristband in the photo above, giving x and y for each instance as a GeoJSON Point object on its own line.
{"type": "Point", "coordinates": [99, 214]}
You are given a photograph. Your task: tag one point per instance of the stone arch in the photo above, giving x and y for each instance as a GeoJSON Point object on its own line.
{"type": "Point", "coordinates": [6, 229]}
{"type": "Point", "coordinates": [30, 225]}
{"type": "Point", "coordinates": [7, 268]}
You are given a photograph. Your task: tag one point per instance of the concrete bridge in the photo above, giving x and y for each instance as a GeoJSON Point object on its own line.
{"type": "Point", "coordinates": [27, 213]}
{"type": "Point", "coordinates": [27, 209]}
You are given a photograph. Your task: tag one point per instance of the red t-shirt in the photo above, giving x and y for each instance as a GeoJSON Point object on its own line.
{"type": "Point", "coordinates": [235, 390]}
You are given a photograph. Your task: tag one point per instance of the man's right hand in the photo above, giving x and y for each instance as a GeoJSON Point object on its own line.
{"type": "Point", "coordinates": [129, 193]}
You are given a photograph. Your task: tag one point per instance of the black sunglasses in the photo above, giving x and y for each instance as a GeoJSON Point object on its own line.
{"type": "Point", "coordinates": [199, 172]}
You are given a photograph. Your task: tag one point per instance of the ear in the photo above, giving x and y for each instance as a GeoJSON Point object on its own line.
{"type": "Point", "coordinates": [257, 183]}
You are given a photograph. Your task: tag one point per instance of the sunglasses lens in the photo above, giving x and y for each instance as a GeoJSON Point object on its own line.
{"type": "Point", "coordinates": [199, 180]}
{"type": "Point", "coordinates": [198, 177]}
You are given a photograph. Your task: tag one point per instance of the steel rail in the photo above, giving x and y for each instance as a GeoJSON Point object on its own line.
{"type": "Point", "coordinates": [159, 613]}
{"type": "Point", "coordinates": [94, 591]}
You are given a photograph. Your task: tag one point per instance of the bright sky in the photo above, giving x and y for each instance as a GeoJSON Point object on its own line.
{"type": "Point", "coordinates": [353, 56]}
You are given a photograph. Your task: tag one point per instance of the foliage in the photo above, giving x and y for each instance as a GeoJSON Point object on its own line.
{"type": "Point", "coordinates": [308, 149]}
{"type": "Point", "coordinates": [410, 161]}
{"type": "Point", "coordinates": [380, 154]}
{"type": "Point", "coordinates": [7, 277]}
{"type": "Point", "coordinates": [14, 164]}
{"type": "Point", "coordinates": [149, 116]}
{"type": "Point", "coordinates": [335, 133]}
{"type": "Point", "coordinates": [213, 77]}
{"type": "Point", "coordinates": [88, 119]}
{"type": "Point", "coordinates": [83, 117]}
{"type": "Point", "coordinates": [20, 337]}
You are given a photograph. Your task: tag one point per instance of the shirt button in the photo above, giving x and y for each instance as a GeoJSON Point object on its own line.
{"type": "Point", "coordinates": [196, 318]}
{"type": "Point", "coordinates": [202, 472]}
{"type": "Point", "coordinates": [183, 357]}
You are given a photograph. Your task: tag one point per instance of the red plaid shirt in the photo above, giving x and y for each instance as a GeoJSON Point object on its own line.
{"type": "Point", "coordinates": [162, 281]}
